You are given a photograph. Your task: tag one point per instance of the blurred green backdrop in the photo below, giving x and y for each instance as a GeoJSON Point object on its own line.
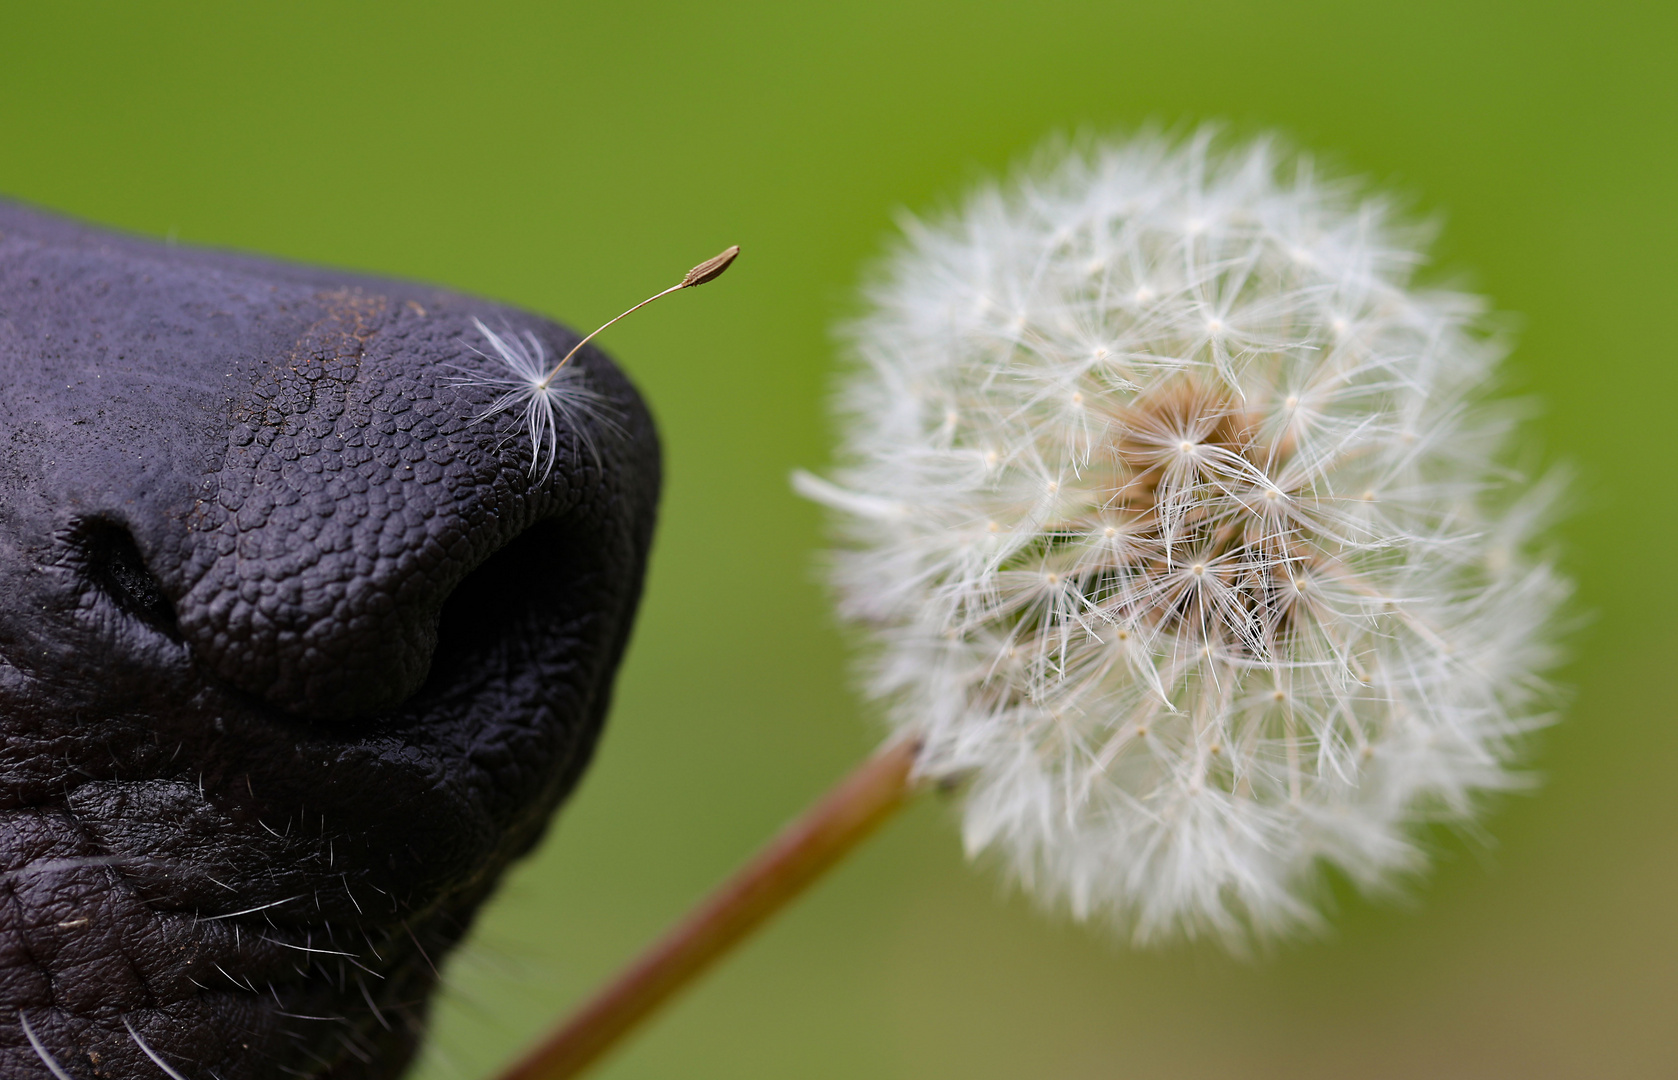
{"type": "Point", "coordinates": [572, 158]}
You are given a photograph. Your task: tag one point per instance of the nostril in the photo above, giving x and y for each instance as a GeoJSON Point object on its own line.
{"type": "Point", "coordinates": [114, 565]}
{"type": "Point", "coordinates": [512, 611]}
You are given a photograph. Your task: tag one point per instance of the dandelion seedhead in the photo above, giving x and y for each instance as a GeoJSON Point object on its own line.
{"type": "Point", "coordinates": [1180, 528]}
{"type": "Point", "coordinates": [549, 399]}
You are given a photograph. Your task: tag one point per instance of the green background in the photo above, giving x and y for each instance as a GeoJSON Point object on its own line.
{"type": "Point", "coordinates": [573, 158]}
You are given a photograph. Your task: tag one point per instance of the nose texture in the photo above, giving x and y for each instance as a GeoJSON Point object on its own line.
{"type": "Point", "coordinates": [296, 654]}
{"type": "Point", "coordinates": [297, 452]}
{"type": "Point", "coordinates": [355, 493]}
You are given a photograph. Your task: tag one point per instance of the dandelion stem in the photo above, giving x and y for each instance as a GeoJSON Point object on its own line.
{"type": "Point", "coordinates": [709, 270]}
{"type": "Point", "coordinates": [562, 360]}
{"type": "Point", "coordinates": [804, 850]}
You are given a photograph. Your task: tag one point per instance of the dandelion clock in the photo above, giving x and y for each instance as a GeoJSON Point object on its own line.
{"type": "Point", "coordinates": [1182, 535]}
{"type": "Point", "coordinates": [1180, 529]}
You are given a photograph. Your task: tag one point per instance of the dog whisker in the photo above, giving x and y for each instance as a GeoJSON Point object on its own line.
{"type": "Point", "coordinates": [47, 1059]}
{"type": "Point", "coordinates": [156, 1059]}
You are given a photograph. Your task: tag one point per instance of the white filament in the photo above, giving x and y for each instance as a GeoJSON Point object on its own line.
{"type": "Point", "coordinates": [548, 403]}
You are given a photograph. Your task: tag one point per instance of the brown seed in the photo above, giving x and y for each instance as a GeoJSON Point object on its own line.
{"type": "Point", "coordinates": [710, 269]}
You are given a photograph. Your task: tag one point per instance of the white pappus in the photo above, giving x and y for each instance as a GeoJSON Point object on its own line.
{"type": "Point", "coordinates": [1181, 528]}
{"type": "Point", "coordinates": [546, 399]}
{"type": "Point", "coordinates": [549, 398]}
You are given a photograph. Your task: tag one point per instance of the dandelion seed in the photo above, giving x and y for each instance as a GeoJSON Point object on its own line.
{"type": "Point", "coordinates": [1305, 718]}
{"type": "Point", "coordinates": [549, 400]}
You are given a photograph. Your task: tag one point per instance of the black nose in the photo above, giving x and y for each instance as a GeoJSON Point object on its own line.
{"type": "Point", "coordinates": [297, 649]}
{"type": "Point", "coordinates": [358, 489]}
{"type": "Point", "coordinates": [302, 458]}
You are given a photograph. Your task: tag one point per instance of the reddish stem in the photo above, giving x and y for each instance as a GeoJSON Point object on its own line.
{"type": "Point", "coordinates": [802, 852]}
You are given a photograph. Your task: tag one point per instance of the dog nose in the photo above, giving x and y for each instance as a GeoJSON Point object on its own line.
{"type": "Point", "coordinates": [361, 485]}
{"type": "Point", "coordinates": [271, 558]}
{"type": "Point", "coordinates": [295, 468]}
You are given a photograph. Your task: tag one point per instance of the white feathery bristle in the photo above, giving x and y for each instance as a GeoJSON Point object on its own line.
{"type": "Point", "coordinates": [545, 401]}
{"type": "Point", "coordinates": [1181, 528]}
